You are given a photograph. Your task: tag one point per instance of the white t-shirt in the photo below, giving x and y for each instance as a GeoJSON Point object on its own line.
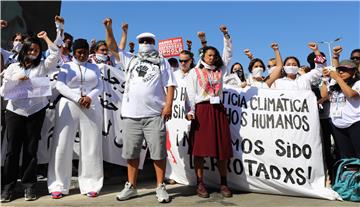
{"type": "Point", "coordinates": [144, 94]}
{"type": "Point", "coordinates": [302, 82]}
{"type": "Point", "coordinates": [345, 111]}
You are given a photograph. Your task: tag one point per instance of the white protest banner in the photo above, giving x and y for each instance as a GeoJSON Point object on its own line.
{"type": "Point", "coordinates": [276, 144]}
{"type": "Point", "coordinates": [171, 47]}
{"type": "Point", "coordinates": [31, 88]}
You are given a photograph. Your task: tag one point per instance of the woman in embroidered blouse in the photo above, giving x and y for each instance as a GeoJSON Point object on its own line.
{"type": "Point", "coordinates": [210, 133]}
{"type": "Point", "coordinates": [80, 84]}
{"type": "Point", "coordinates": [24, 117]}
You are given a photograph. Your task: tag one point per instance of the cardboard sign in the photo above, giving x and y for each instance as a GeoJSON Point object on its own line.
{"type": "Point", "coordinates": [171, 47]}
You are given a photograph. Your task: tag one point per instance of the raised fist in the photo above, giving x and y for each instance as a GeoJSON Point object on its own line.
{"type": "Point", "coordinates": [3, 24]}
{"type": "Point", "coordinates": [223, 29]}
{"type": "Point", "coordinates": [42, 35]}
{"type": "Point", "coordinates": [125, 27]}
{"type": "Point", "coordinates": [313, 46]}
{"type": "Point", "coordinates": [201, 35]}
{"type": "Point", "coordinates": [59, 19]}
{"type": "Point", "coordinates": [274, 46]}
{"type": "Point", "coordinates": [107, 22]}
{"type": "Point", "coordinates": [337, 50]}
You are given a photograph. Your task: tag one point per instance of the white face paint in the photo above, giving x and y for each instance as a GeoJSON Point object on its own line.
{"type": "Point", "coordinates": [257, 72]}
{"type": "Point", "coordinates": [101, 57]}
{"type": "Point", "coordinates": [271, 69]}
{"type": "Point", "coordinates": [146, 48]}
{"type": "Point", "coordinates": [291, 69]}
{"type": "Point", "coordinates": [17, 45]}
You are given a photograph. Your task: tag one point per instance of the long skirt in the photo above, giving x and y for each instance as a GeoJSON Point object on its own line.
{"type": "Point", "coordinates": [210, 132]}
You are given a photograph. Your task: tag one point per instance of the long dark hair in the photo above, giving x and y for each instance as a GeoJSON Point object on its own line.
{"type": "Point", "coordinates": [252, 63]}
{"type": "Point", "coordinates": [292, 57]}
{"type": "Point", "coordinates": [242, 76]}
{"type": "Point", "coordinates": [24, 50]}
{"type": "Point", "coordinates": [218, 62]}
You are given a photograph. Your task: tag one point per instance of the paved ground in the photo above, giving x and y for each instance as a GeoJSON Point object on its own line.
{"type": "Point", "coordinates": [181, 196]}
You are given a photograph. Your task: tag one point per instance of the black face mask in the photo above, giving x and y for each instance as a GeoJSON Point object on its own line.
{"type": "Point", "coordinates": [239, 73]}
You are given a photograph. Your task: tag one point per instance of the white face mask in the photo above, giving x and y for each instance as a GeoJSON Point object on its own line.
{"type": "Point", "coordinates": [32, 57]}
{"type": "Point", "coordinates": [257, 72]}
{"type": "Point", "coordinates": [101, 57]}
{"type": "Point", "coordinates": [291, 69]}
{"type": "Point", "coordinates": [146, 48]}
{"type": "Point", "coordinates": [271, 69]}
{"type": "Point", "coordinates": [17, 45]}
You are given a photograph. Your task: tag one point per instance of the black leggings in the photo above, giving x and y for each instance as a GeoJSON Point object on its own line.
{"type": "Point", "coordinates": [21, 132]}
{"type": "Point", "coordinates": [347, 140]}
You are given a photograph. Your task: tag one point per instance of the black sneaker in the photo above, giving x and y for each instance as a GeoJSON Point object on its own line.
{"type": "Point", "coordinates": [30, 194]}
{"type": "Point", "coordinates": [5, 196]}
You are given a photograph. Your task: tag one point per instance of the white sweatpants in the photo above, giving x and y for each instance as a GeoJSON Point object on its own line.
{"type": "Point", "coordinates": [70, 117]}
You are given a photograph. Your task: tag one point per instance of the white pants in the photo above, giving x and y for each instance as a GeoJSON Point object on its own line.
{"type": "Point", "coordinates": [70, 117]}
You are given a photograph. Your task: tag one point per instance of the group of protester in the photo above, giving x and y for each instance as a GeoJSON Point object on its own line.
{"type": "Point", "coordinates": [147, 105]}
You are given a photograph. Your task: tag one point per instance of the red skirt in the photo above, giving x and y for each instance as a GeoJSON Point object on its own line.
{"type": "Point", "coordinates": [210, 132]}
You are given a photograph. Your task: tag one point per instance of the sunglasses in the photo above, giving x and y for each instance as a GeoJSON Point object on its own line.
{"type": "Point", "coordinates": [343, 69]}
{"type": "Point", "coordinates": [355, 58]}
{"type": "Point", "coordinates": [148, 40]}
{"type": "Point", "coordinates": [184, 61]}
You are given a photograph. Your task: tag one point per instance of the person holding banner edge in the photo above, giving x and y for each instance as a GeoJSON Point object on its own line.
{"type": "Point", "coordinates": [208, 116]}
{"type": "Point", "coordinates": [24, 117]}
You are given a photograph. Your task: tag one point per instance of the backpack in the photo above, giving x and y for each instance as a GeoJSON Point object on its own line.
{"type": "Point", "coordinates": [347, 181]}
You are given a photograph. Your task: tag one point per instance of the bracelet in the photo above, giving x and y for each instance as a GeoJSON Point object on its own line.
{"type": "Point", "coordinates": [335, 57]}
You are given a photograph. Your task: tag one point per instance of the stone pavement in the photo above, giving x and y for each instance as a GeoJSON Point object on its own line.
{"type": "Point", "coordinates": [181, 195]}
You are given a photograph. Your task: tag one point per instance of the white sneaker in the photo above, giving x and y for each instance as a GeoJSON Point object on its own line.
{"type": "Point", "coordinates": [128, 192]}
{"type": "Point", "coordinates": [161, 194]}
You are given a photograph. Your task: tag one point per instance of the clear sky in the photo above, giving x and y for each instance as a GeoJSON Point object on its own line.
{"type": "Point", "coordinates": [251, 25]}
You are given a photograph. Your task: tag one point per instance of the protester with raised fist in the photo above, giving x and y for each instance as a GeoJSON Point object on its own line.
{"type": "Point", "coordinates": [146, 106]}
{"type": "Point", "coordinates": [257, 68]}
{"type": "Point", "coordinates": [209, 123]}
{"type": "Point", "coordinates": [24, 117]}
{"type": "Point", "coordinates": [293, 81]}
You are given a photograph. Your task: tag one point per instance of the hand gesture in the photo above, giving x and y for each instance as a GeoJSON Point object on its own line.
{"type": "Point", "coordinates": [3, 24]}
{"type": "Point", "coordinates": [201, 36]}
{"type": "Point", "coordinates": [189, 117]}
{"type": "Point", "coordinates": [313, 46]}
{"type": "Point", "coordinates": [107, 22]}
{"type": "Point", "coordinates": [166, 112]}
{"type": "Point", "coordinates": [85, 101]}
{"type": "Point", "coordinates": [125, 27]}
{"type": "Point", "coordinates": [189, 43]}
{"type": "Point", "coordinates": [42, 35]}
{"type": "Point", "coordinates": [248, 53]}
{"type": "Point", "coordinates": [131, 45]}
{"type": "Point", "coordinates": [275, 46]}
{"type": "Point", "coordinates": [337, 50]}
{"type": "Point", "coordinates": [326, 72]}
{"type": "Point", "coordinates": [59, 19]}
{"type": "Point", "coordinates": [223, 29]}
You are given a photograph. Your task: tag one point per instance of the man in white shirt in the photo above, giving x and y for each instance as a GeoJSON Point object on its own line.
{"type": "Point", "coordinates": [145, 107]}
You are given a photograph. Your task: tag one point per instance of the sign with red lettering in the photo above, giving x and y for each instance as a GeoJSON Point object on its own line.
{"type": "Point", "coordinates": [171, 47]}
